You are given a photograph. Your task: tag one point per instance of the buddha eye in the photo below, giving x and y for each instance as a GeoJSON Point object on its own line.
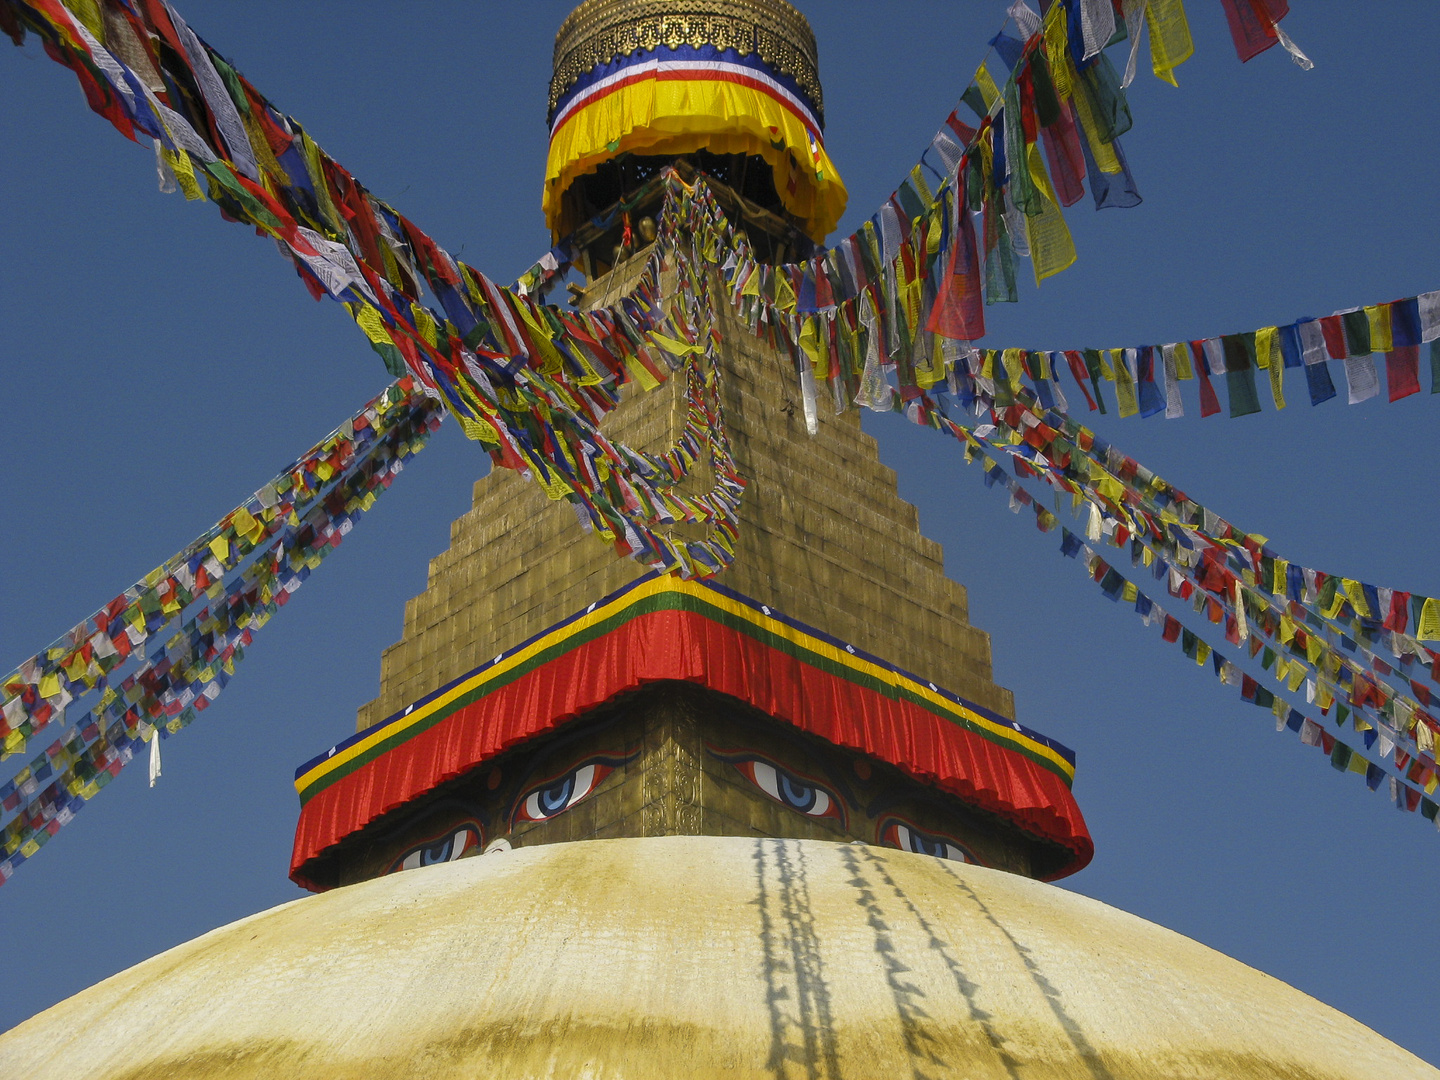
{"type": "Point", "coordinates": [556, 796]}
{"type": "Point", "coordinates": [447, 847]}
{"type": "Point", "coordinates": [900, 835]}
{"type": "Point", "coordinates": [796, 792]}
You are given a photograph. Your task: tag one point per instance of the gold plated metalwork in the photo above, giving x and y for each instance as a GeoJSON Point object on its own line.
{"type": "Point", "coordinates": [598, 31]}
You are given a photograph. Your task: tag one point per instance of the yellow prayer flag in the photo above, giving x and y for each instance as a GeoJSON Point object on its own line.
{"type": "Point", "coordinates": [1170, 43]}
{"type": "Point", "coordinates": [245, 524]}
{"type": "Point", "coordinates": [312, 155]}
{"type": "Point", "coordinates": [552, 363]}
{"type": "Point", "coordinates": [1297, 676]}
{"type": "Point", "coordinates": [675, 346]}
{"type": "Point", "coordinates": [988, 90]}
{"type": "Point", "coordinates": [184, 174]}
{"type": "Point", "coordinates": [1056, 45]}
{"type": "Point", "coordinates": [928, 374]}
{"type": "Point", "coordinates": [1202, 653]}
{"type": "Point", "coordinates": [641, 374]}
{"type": "Point", "coordinates": [1124, 385]}
{"type": "Point", "coordinates": [425, 324]}
{"type": "Point", "coordinates": [813, 347]}
{"type": "Point", "coordinates": [271, 170]}
{"type": "Point", "coordinates": [1335, 603]}
{"type": "Point", "coordinates": [1357, 598]}
{"type": "Point", "coordinates": [1105, 159]}
{"type": "Point", "coordinates": [370, 320]}
{"type": "Point", "coordinates": [1429, 626]}
{"type": "Point", "coordinates": [481, 431]}
{"type": "Point", "coordinates": [917, 178]}
{"type": "Point", "coordinates": [1378, 315]}
{"type": "Point", "coordinates": [1051, 247]}
{"type": "Point", "coordinates": [220, 548]}
{"type": "Point", "coordinates": [1014, 367]}
{"type": "Point", "coordinates": [49, 684]}
{"type": "Point", "coordinates": [88, 13]}
{"type": "Point", "coordinates": [1267, 355]}
{"type": "Point", "coordinates": [784, 294]}
{"type": "Point", "coordinates": [1183, 369]}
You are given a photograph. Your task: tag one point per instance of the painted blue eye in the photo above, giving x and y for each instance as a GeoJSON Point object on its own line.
{"type": "Point", "coordinates": [563, 792]}
{"type": "Point", "coordinates": [799, 796]}
{"type": "Point", "coordinates": [551, 800]}
{"type": "Point", "coordinates": [789, 790]}
{"type": "Point", "coordinates": [895, 833]}
{"type": "Point", "coordinates": [437, 852]}
{"type": "Point", "coordinates": [445, 848]}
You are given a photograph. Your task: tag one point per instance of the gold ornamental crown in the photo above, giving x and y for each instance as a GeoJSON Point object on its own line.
{"type": "Point", "coordinates": [598, 31]}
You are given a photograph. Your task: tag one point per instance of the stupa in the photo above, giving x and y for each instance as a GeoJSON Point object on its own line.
{"type": "Point", "coordinates": [604, 823]}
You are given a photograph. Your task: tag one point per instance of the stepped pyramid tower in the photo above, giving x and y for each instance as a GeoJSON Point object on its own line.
{"type": "Point", "coordinates": [603, 823]}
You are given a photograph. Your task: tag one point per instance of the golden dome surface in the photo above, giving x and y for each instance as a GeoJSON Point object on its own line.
{"type": "Point", "coordinates": [697, 957]}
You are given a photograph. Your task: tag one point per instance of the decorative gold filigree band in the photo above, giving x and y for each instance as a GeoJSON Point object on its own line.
{"type": "Point", "coordinates": [598, 31]}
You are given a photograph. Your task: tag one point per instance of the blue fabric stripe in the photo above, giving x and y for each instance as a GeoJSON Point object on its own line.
{"type": "Point", "coordinates": [684, 52]}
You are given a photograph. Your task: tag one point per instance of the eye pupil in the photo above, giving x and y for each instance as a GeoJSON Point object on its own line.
{"type": "Point", "coordinates": [437, 852]}
{"type": "Point", "coordinates": [554, 798]}
{"type": "Point", "coordinates": [926, 845]}
{"type": "Point", "coordinates": [800, 796]}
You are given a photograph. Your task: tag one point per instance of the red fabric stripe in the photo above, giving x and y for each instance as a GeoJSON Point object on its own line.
{"type": "Point", "coordinates": [688, 646]}
{"type": "Point", "coordinates": [692, 76]}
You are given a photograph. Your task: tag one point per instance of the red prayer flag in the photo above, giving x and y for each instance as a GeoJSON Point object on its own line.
{"type": "Point", "coordinates": [1402, 371]}
{"type": "Point", "coordinates": [1252, 24]}
{"type": "Point", "coordinates": [1067, 160]}
{"type": "Point", "coordinates": [1209, 403]}
{"type": "Point", "coordinates": [959, 309]}
{"type": "Point", "coordinates": [1333, 327]}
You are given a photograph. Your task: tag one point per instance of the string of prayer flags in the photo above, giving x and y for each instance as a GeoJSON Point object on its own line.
{"type": "Point", "coordinates": [1358, 337]}
{"type": "Point", "coordinates": [186, 626]}
{"type": "Point", "coordinates": [35, 695]}
{"type": "Point", "coordinates": [529, 382]}
{"type": "Point", "coordinates": [1342, 641]}
{"type": "Point", "coordinates": [1392, 748]}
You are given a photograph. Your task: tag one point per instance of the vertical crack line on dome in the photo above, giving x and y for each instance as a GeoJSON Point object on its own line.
{"type": "Point", "coordinates": [793, 968]}
{"type": "Point", "coordinates": [968, 989]}
{"type": "Point", "coordinates": [1048, 990]}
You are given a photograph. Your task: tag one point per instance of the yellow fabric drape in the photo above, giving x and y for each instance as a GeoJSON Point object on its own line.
{"type": "Point", "coordinates": [680, 116]}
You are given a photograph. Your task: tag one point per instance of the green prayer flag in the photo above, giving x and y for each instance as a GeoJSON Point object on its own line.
{"type": "Point", "coordinates": [1047, 102]}
{"type": "Point", "coordinates": [1092, 365]}
{"type": "Point", "coordinates": [1244, 399]}
{"type": "Point", "coordinates": [975, 100]}
{"type": "Point", "coordinates": [1357, 332]}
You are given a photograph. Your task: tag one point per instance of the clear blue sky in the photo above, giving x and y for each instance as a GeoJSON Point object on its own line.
{"type": "Point", "coordinates": [159, 364]}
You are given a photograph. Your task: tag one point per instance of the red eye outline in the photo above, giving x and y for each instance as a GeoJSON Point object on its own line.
{"type": "Point", "coordinates": [792, 790]}
{"type": "Point", "coordinates": [451, 836]}
{"type": "Point", "coordinates": [897, 832]}
{"type": "Point", "coordinates": [564, 789]}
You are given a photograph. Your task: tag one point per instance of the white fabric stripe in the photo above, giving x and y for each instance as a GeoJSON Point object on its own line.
{"type": "Point", "coordinates": [227, 116]}
{"type": "Point", "coordinates": [671, 66]}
